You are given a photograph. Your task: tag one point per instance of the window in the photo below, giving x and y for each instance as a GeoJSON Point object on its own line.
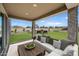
{"type": "Point", "coordinates": [54, 26]}
{"type": "Point", "coordinates": [20, 30]}
{"type": "Point", "coordinates": [78, 25]}
{"type": "Point", "coordinates": [3, 34]}
{"type": "Point", "coordinates": [0, 33]}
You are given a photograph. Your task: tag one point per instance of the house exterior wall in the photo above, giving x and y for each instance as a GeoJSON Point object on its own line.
{"type": "Point", "coordinates": [73, 24]}
{"type": "Point", "coordinates": [28, 29]}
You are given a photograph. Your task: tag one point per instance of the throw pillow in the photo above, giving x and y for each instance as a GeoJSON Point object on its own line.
{"type": "Point", "coordinates": [65, 43]}
{"type": "Point", "coordinates": [57, 44]}
{"type": "Point", "coordinates": [43, 39]}
{"type": "Point", "coordinates": [69, 51]}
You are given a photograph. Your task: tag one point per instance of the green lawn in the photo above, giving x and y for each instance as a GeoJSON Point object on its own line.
{"type": "Point", "coordinates": [58, 35]}
{"type": "Point", "coordinates": [18, 37]}
{"type": "Point", "coordinates": [23, 36]}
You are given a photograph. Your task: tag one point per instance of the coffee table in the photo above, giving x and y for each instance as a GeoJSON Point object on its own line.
{"type": "Point", "coordinates": [37, 51]}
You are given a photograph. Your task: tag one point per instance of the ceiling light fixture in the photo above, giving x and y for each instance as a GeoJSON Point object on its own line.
{"type": "Point", "coordinates": [34, 5]}
{"type": "Point", "coordinates": [26, 13]}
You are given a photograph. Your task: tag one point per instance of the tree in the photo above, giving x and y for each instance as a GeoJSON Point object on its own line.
{"type": "Point", "coordinates": [15, 30]}
{"type": "Point", "coordinates": [28, 27]}
{"type": "Point", "coordinates": [23, 29]}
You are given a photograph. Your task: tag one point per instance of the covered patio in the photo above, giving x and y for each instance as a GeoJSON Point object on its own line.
{"type": "Point", "coordinates": [33, 12]}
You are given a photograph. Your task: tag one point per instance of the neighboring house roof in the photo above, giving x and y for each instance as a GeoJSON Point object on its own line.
{"type": "Point", "coordinates": [17, 27]}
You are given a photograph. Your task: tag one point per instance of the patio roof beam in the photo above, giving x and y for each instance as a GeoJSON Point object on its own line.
{"type": "Point", "coordinates": [19, 17]}
{"type": "Point", "coordinates": [63, 8]}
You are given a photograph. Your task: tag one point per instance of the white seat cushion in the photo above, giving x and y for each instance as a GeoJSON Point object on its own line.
{"type": "Point", "coordinates": [58, 51]}
{"type": "Point", "coordinates": [53, 54]}
{"type": "Point", "coordinates": [68, 48]}
{"type": "Point", "coordinates": [47, 46]}
{"type": "Point", "coordinates": [73, 50]}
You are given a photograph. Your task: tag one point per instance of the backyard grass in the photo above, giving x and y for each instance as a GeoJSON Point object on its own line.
{"type": "Point", "coordinates": [58, 35]}
{"type": "Point", "coordinates": [23, 36]}
{"type": "Point", "coordinates": [19, 37]}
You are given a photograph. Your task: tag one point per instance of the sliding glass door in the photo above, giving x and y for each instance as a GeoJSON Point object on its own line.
{"type": "Point", "coordinates": [4, 34]}
{"type": "Point", "coordinates": [0, 33]}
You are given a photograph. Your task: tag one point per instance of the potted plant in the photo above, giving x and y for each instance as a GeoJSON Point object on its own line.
{"type": "Point", "coordinates": [30, 45]}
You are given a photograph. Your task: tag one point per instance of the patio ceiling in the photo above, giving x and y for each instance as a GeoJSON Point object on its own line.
{"type": "Point", "coordinates": [31, 11]}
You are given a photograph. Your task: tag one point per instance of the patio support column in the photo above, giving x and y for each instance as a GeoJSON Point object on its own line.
{"type": "Point", "coordinates": [73, 24]}
{"type": "Point", "coordinates": [33, 28]}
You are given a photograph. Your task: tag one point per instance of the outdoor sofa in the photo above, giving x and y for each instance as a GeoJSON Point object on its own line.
{"type": "Point", "coordinates": [58, 47]}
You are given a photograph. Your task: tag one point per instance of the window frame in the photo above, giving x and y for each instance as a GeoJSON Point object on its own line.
{"type": "Point", "coordinates": [2, 32]}
{"type": "Point", "coordinates": [4, 46]}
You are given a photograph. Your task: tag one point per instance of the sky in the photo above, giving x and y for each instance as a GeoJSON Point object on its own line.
{"type": "Point", "coordinates": [0, 21]}
{"type": "Point", "coordinates": [60, 19]}
{"type": "Point", "coordinates": [22, 23]}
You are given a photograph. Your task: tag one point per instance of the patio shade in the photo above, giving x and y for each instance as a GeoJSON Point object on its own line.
{"type": "Point", "coordinates": [32, 11]}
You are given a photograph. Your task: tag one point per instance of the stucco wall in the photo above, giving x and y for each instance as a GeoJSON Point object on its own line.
{"type": "Point", "coordinates": [73, 24]}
